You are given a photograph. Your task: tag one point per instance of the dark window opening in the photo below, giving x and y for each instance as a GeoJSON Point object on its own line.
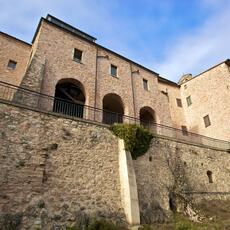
{"type": "Point", "coordinates": [12, 64]}
{"type": "Point", "coordinates": [69, 99]}
{"type": "Point", "coordinates": [189, 100]}
{"type": "Point", "coordinates": [145, 84]}
{"type": "Point", "coordinates": [209, 174]}
{"type": "Point", "coordinates": [184, 130]}
{"type": "Point", "coordinates": [150, 158]}
{"type": "Point", "coordinates": [77, 55]}
{"type": "Point", "coordinates": [113, 70]}
{"type": "Point", "coordinates": [179, 103]}
{"type": "Point", "coordinates": [207, 121]}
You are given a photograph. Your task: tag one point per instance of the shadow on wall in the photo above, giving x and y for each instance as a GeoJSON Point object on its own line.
{"type": "Point", "coordinates": [199, 138]}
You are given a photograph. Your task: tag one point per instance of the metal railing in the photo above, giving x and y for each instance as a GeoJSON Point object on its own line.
{"type": "Point", "coordinates": [45, 103]}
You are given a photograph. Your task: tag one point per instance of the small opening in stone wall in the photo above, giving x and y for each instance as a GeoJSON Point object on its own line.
{"type": "Point", "coordinates": [172, 204]}
{"type": "Point", "coordinates": [185, 163]}
{"type": "Point", "coordinates": [209, 174]}
{"type": "Point", "coordinates": [150, 158]}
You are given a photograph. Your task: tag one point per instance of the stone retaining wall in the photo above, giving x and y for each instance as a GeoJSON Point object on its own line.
{"type": "Point", "coordinates": [56, 172]}
{"type": "Point", "coordinates": [173, 175]}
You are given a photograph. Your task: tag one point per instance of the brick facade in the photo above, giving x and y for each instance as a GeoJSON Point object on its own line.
{"type": "Point", "coordinates": [51, 61]}
{"type": "Point", "coordinates": [209, 94]}
{"type": "Point", "coordinates": [15, 50]}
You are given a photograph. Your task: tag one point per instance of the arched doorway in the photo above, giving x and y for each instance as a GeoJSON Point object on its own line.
{"type": "Point", "coordinates": [113, 109]}
{"type": "Point", "coordinates": [69, 98]}
{"type": "Point", "coordinates": [147, 116]}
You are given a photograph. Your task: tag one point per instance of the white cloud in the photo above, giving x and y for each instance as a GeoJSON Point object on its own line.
{"type": "Point", "coordinates": [198, 50]}
{"type": "Point", "coordinates": [192, 52]}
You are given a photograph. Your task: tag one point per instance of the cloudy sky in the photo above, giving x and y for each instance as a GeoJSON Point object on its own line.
{"type": "Point", "coordinates": [171, 37]}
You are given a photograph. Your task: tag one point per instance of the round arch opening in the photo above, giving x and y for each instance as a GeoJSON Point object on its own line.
{"type": "Point", "coordinates": [113, 109]}
{"type": "Point", "coordinates": [69, 98]}
{"type": "Point", "coordinates": [147, 116]}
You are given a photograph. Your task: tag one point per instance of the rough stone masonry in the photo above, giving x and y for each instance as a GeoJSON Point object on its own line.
{"type": "Point", "coordinates": [57, 172]}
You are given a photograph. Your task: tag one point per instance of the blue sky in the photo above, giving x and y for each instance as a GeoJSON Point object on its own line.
{"type": "Point", "coordinates": [171, 37]}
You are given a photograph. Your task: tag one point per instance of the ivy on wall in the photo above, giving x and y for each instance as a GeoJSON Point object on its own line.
{"type": "Point", "coordinates": [137, 139]}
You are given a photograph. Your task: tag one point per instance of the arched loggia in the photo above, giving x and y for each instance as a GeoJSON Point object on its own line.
{"type": "Point", "coordinates": [113, 109]}
{"type": "Point", "coordinates": [147, 116]}
{"type": "Point", "coordinates": [69, 98]}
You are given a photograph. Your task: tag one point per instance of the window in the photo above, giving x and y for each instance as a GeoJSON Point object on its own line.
{"type": "Point", "coordinates": [184, 130]}
{"type": "Point", "coordinates": [113, 70]}
{"type": "Point", "coordinates": [207, 121]}
{"type": "Point", "coordinates": [209, 174]}
{"type": "Point", "coordinates": [12, 64]}
{"type": "Point", "coordinates": [189, 101]}
{"type": "Point", "coordinates": [179, 103]}
{"type": "Point", "coordinates": [77, 55]}
{"type": "Point", "coordinates": [145, 84]}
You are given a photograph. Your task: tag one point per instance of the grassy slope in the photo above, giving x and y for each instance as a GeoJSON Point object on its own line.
{"type": "Point", "coordinates": [216, 217]}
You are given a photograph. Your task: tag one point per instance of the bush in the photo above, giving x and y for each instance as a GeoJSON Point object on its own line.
{"type": "Point", "coordinates": [184, 226]}
{"type": "Point", "coordinates": [102, 225]}
{"type": "Point", "coordinates": [137, 139]}
{"type": "Point", "coordinates": [71, 228]}
{"type": "Point", "coordinates": [182, 223]}
{"type": "Point", "coordinates": [146, 227]}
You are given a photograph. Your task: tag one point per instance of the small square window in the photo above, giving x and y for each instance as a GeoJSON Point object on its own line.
{"type": "Point", "coordinates": [12, 64]}
{"type": "Point", "coordinates": [184, 130]}
{"type": "Point", "coordinates": [189, 100]}
{"type": "Point", "coordinates": [179, 103]}
{"type": "Point", "coordinates": [113, 70]}
{"type": "Point", "coordinates": [145, 84]}
{"type": "Point", "coordinates": [77, 55]}
{"type": "Point", "coordinates": [207, 121]}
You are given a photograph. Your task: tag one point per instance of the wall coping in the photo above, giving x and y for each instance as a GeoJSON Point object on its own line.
{"type": "Point", "coordinates": [105, 125]}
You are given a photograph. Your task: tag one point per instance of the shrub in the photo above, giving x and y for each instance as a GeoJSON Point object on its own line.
{"type": "Point", "coordinates": [146, 227]}
{"type": "Point", "coordinates": [184, 226]}
{"type": "Point", "coordinates": [102, 225]}
{"type": "Point", "coordinates": [71, 228]}
{"type": "Point", "coordinates": [137, 139]}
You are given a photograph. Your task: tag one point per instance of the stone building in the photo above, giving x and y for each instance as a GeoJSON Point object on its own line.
{"type": "Point", "coordinates": [205, 97]}
{"type": "Point", "coordinates": [61, 171]}
{"type": "Point", "coordinates": [64, 62]}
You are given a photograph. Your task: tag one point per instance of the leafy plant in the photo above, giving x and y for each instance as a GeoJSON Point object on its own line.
{"type": "Point", "coordinates": [71, 228]}
{"type": "Point", "coordinates": [102, 225]}
{"type": "Point", "coordinates": [137, 139]}
{"type": "Point", "coordinates": [184, 226]}
{"type": "Point", "coordinates": [146, 227]}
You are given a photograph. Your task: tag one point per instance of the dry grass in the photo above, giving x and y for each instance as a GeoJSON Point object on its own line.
{"type": "Point", "coordinates": [216, 217]}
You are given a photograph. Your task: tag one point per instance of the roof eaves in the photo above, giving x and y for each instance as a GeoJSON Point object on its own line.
{"type": "Point", "coordinates": [163, 80]}
{"type": "Point", "coordinates": [68, 27]}
{"type": "Point", "coordinates": [227, 62]}
{"type": "Point", "coordinates": [19, 40]}
{"type": "Point", "coordinates": [37, 29]}
{"type": "Point", "coordinates": [93, 43]}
